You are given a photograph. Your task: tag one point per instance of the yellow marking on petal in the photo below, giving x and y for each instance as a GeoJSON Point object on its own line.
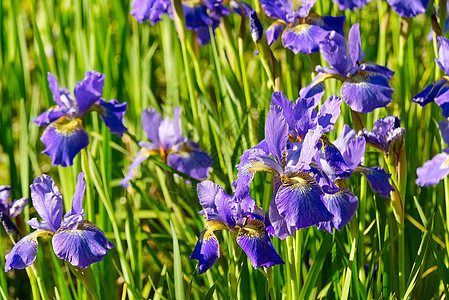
{"type": "Point", "coordinates": [191, 3]}
{"type": "Point", "coordinates": [445, 164]}
{"type": "Point", "coordinates": [300, 29]}
{"type": "Point", "coordinates": [38, 233]}
{"type": "Point", "coordinates": [360, 78]}
{"type": "Point", "coordinates": [254, 228]}
{"type": "Point", "coordinates": [257, 166]}
{"type": "Point", "coordinates": [67, 127]}
{"type": "Point", "coordinates": [212, 226]}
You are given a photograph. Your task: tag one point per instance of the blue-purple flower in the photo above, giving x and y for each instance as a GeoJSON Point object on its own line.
{"type": "Point", "coordinates": [199, 14]}
{"type": "Point", "coordinates": [240, 215]}
{"type": "Point", "coordinates": [9, 210]}
{"type": "Point", "coordinates": [350, 4]}
{"type": "Point", "coordinates": [300, 31]}
{"type": "Point", "coordinates": [65, 135]}
{"type": "Point", "coordinates": [74, 239]}
{"type": "Point", "coordinates": [385, 131]}
{"type": "Point", "coordinates": [438, 90]}
{"type": "Point", "coordinates": [436, 168]}
{"type": "Point", "coordinates": [166, 140]}
{"type": "Point", "coordinates": [365, 85]}
{"type": "Point", "coordinates": [409, 8]}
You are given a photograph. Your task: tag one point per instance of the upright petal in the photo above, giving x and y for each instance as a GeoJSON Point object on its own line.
{"type": "Point", "coordinates": [207, 250]}
{"type": "Point", "coordinates": [82, 246]}
{"type": "Point", "coordinates": [5, 190]}
{"type": "Point", "coordinates": [63, 140]}
{"type": "Point", "coordinates": [342, 205]}
{"type": "Point", "coordinates": [144, 10]}
{"type": "Point", "coordinates": [433, 170]}
{"type": "Point", "coordinates": [304, 9]}
{"type": "Point", "coordinates": [112, 113]}
{"type": "Point", "coordinates": [23, 254]}
{"type": "Point", "coordinates": [88, 91]}
{"type": "Point", "coordinates": [409, 8]}
{"type": "Point", "coordinates": [303, 38]}
{"type": "Point", "coordinates": [329, 113]}
{"type": "Point", "coordinates": [355, 45]}
{"type": "Point", "coordinates": [353, 153]}
{"type": "Point", "coordinates": [254, 240]}
{"type": "Point", "coordinates": [276, 132]}
{"type": "Point", "coordinates": [60, 96]}
{"type": "Point", "coordinates": [76, 215]}
{"type": "Point", "coordinates": [443, 53]}
{"type": "Point", "coordinates": [47, 200]}
{"type": "Point", "coordinates": [333, 50]}
{"type": "Point", "coordinates": [151, 120]}
{"type": "Point", "coordinates": [299, 201]}
{"type": "Point", "coordinates": [350, 4]}
{"type": "Point", "coordinates": [207, 193]}
{"type": "Point", "coordinates": [167, 134]}
{"type": "Point", "coordinates": [278, 9]}
{"type": "Point", "coordinates": [366, 91]}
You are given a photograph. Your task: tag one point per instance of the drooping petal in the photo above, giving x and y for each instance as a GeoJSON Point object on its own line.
{"type": "Point", "coordinates": [63, 140]}
{"type": "Point", "coordinates": [82, 246]}
{"type": "Point", "coordinates": [254, 240]}
{"type": "Point", "coordinates": [142, 155]}
{"type": "Point", "coordinates": [366, 91]}
{"type": "Point", "coordinates": [375, 68]}
{"type": "Point", "coordinates": [335, 159]}
{"type": "Point", "coordinates": [299, 202]}
{"type": "Point", "coordinates": [303, 38]}
{"type": "Point", "coordinates": [5, 190]}
{"type": "Point", "coordinates": [60, 95]}
{"type": "Point", "coordinates": [88, 91]}
{"type": "Point", "coordinates": [144, 10]}
{"type": "Point", "coordinates": [207, 250]}
{"type": "Point", "coordinates": [17, 206]}
{"type": "Point", "coordinates": [49, 116]}
{"type": "Point", "coordinates": [47, 200]}
{"type": "Point", "coordinates": [443, 53]}
{"type": "Point", "coordinates": [333, 50]}
{"type": "Point", "coordinates": [276, 132]}
{"type": "Point", "coordinates": [430, 92]}
{"type": "Point", "coordinates": [23, 254]}
{"type": "Point", "coordinates": [342, 205]}
{"type": "Point", "coordinates": [378, 180]}
{"type": "Point", "coordinates": [315, 88]}
{"type": "Point", "coordinates": [433, 170]}
{"type": "Point", "coordinates": [112, 113]}
{"type": "Point", "coordinates": [191, 161]}
{"type": "Point", "coordinates": [409, 8]}
{"type": "Point", "coordinates": [274, 31]}
{"type": "Point", "coordinates": [443, 100]}
{"type": "Point", "coordinates": [76, 215]}
{"type": "Point", "coordinates": [151, 121]}
{"type": "Point", "coordinates": [443, 125]}
{"type": "Point", "coordinates": [278, 9]}
{"type": "Point", "coordinates": [355, 45]}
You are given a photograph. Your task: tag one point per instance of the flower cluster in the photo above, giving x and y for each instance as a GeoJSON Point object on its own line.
{"type": "Point", "coordinates": [65, 135]}
{"type": "Point", "coordinates": [75, 240]}
{"type": "Point", "coordinates": [167, 141]}
{"type": "Point", "coordinates": [365, 85]}
{"type": "Point", "coordinates": [300, 31]}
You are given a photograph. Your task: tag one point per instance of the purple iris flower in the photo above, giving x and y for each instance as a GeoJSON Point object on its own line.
{"type": "Point", "coordinates": [350, 4]}
{"type": "Point", "coordinates": [365, 85]}
{"type": "Point", "coordinates": [239, 214]}
{"type": "Point", "coordinates": [300, 31]}
{"type": "Point", "coordinates": [74, 239]}
{"type": "Point", "coordinates": [340, 160]}
{"type": "Point", "coordinates": [65, 135]}
{"type": "Point", "coordinates": [385, 131]}
{"type": "Point", "coordinates": [9, 210]}
{"type": "Point", "coordinates": [438, 90]}
{"type": "Point", "coordinates": [167, 141]}
{"type": "Point", "coordinates": [292, 131]}
{"type": "Point", "coordinates": [436, 168]}
{"type": "Point", "coordinates": [409, 8]}
{"type": "Point", "coordinates": [199, 14]}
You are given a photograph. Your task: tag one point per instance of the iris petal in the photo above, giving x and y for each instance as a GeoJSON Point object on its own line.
{"type": "Point", "coordinates": [5, 190]}
{"type": "Point", "coordinates": [151, 120]}
{"type": "Point", "coordinates": [49, 116]}
{"type": "Point", "coordinates": [278, 9]}
{"type": "Point", "coordinates": [409, 8]}
{"type": "Point", "coordinates": [333, 50]}
{"type": "Point", "coordinates": [254, 240]}
{"type": "Point", "coordinates": [191, 161]}
{"type": "Point", "coordinates": [299, 202]}
{"type": "Point", "coordinates": [207, 250]}
{"type": "Point", "coordinates": [378, 180]}
{"type": "Point", "coordinates": [112, 115]}
{"type": "Point", "coordinates": [63, 140]}
{"type": "Point", "coordinates": [433, 170]}
{"type": "Point", "coordinates": [88, 91]}
{"type": "Point", "coordinates": [304, 38]}
{"type": "Point", "coordinates": [17, 206]}
{"type": "Point", "coordinates": [76, 215]}
{"type": "Point", "coordinates": [274, 31]}
{"type": "Point", "coordinates": [276, 132]}
{"type": "Point", "coordinates": [83, 246]}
